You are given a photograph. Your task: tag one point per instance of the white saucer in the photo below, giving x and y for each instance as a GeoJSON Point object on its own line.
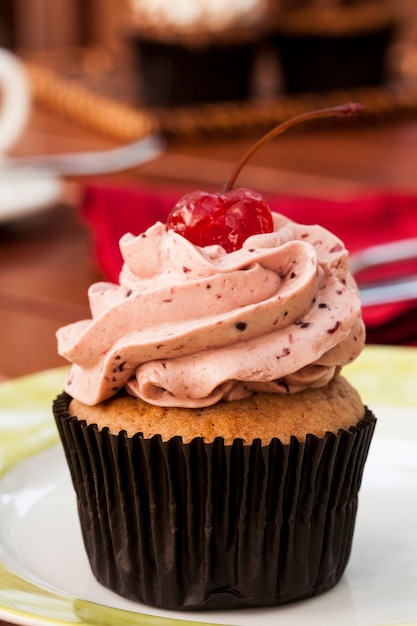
{"type": "Point", "coordinates": [25, 190]}
{"type": "Point", "coordinates": [45, 578]}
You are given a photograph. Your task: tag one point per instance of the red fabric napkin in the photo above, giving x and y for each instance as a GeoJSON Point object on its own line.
{"type": "Point", "coordinates": [111, 211]}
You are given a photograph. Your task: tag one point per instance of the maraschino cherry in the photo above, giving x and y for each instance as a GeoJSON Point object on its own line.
{"type": "Point", "coordinates": [225, 219]}
{"type": "Point", "coordinates": [228, 218]}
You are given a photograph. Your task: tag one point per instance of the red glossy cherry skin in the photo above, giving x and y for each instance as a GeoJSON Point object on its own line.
{"type": "Point", "coordinates": [226, 219]}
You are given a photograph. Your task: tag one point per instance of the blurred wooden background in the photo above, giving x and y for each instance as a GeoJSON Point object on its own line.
{"type": "Point", "coordinates": [46, 24]}
{"type": "Point", "coordinates": [43, 24]}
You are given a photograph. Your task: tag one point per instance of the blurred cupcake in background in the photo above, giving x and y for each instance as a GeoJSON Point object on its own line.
{"type": "Point", "coordinates": [191, 51]}
{"type": "Point", "coordinates": [332, 44]}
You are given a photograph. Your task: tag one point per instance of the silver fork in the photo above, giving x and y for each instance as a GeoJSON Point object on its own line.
{"type": "Point", "coordinates": [387, 291]}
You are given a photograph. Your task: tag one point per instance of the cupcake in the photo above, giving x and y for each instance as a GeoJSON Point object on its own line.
{"type": "Point", "coordinates": [215, 448]}
{"type": "Point", "coordinates": [332, 45]}
{"type": "Point", "coordinates": [192, 52]}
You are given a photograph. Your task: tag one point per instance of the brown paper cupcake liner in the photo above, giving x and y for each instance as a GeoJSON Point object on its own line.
{"type": "Point", "coordinates": [210, 526]}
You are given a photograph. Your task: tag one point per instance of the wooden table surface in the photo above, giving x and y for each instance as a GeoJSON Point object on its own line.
{"type": "Point", "coordinates": [46, 260]}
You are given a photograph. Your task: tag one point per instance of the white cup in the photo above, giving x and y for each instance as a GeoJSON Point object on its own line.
{"type": "Point", "coordinates": [23, 189]}
{"type": "Point", "coordinates": [15, 99]}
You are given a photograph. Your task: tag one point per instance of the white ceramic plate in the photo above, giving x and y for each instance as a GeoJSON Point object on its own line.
{"type": "Point", "coordinates": [25, 190]}
{"type": "Point", "coordinates": [44, 573]}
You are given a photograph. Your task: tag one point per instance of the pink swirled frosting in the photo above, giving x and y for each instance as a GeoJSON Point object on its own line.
{"type": "Point", "coordinates": [189, 326]}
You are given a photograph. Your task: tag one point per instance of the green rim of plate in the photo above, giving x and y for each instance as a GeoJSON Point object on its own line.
{"type": "Point", "coordinates": [382, 375]}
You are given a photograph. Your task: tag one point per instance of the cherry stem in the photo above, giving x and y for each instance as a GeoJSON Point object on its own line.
{"type": "Point", "coordinates": [351, 108]}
